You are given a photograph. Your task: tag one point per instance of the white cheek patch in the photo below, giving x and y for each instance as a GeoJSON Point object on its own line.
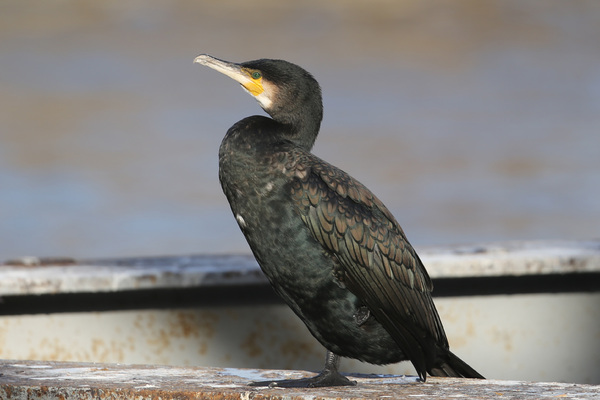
{"type": "Point", "coordinates": [264, 100]}
{"type": "Point", "coordinates": [268, 96]}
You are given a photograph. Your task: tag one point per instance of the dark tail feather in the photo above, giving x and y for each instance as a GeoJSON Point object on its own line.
{"type": "Point", "coordinates": [454, 367]}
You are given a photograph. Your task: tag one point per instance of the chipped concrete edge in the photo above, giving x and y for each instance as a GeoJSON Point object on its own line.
{"type": "Point", "coordinates": [35, 276]}
{"type": "Point", "coordinates": [43, 380]}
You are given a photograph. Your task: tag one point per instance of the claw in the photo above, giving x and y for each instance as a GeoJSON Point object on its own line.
{"type": "Point", "coordinates": [328, 377]}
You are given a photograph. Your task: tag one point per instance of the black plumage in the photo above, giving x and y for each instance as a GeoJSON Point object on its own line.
{"type": "Point", "coordinates": [329, 247]}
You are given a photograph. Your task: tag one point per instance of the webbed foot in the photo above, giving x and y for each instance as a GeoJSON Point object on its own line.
{"type": "Point", "coordinates": [328, 377]}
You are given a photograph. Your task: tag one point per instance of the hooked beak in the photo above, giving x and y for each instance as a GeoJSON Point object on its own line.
{"type": "Point", "coordinates": [234, 71]}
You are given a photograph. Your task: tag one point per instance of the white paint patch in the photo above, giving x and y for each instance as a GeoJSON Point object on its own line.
{"type": "Point", "coordinates": [147, 386]}
{"type": "Point", "coordinates": [30, 366]}
{"type": "Point", "coordinates": [244, 373]}
{"type": "Point", "coordinates": [223, 385]}
{"type": "Point", "coordinates": [396, 379]}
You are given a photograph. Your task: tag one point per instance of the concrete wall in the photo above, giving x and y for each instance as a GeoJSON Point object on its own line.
{"type": "Point", "coordinates": [535, 336]}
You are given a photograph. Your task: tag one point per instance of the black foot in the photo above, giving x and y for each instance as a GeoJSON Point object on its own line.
{"type": "Point", "coordinates": [324, 379]}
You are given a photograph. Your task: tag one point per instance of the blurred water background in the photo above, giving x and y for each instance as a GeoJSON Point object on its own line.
{"type": "Point", "coordinates": [472, 120]}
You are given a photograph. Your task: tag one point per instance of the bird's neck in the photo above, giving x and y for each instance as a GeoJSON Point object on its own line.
{"type": "Point", "coordinates": [301, 128]}
{"type": "Point", "coordinates": [303, 135]}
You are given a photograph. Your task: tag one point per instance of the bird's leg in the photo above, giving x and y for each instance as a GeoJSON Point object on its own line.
{"type": "Point", "coordinates": [328, 377]}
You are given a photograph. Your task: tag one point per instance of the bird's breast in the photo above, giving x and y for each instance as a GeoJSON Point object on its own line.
{"type": "Point", "coordinates": [257, 182]}
{"type": "Point", "coordinates": [259, 186]}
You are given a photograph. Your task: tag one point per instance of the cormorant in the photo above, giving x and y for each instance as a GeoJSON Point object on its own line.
{"type": "Point", "coordinates": [328, 246]}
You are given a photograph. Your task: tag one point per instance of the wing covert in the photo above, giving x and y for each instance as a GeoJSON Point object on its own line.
{"type": "Point", "coordinates": [340, 211]}
{"type": "Point", "coordinates": [377, 262]}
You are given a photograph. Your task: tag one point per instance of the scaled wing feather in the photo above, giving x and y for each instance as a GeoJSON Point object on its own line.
{"type": "Point", "coordinates": [378, 263]}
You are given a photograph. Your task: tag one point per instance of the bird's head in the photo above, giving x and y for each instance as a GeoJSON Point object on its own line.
{"type": "Point", "coordinates": [251, 77]}
{"type": "Point", "coordinates": [287, 92]}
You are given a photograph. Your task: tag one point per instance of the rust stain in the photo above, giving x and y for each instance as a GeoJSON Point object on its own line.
{"type": "Point", "coordinates": [131, 342]}
{"type": "Point", "coordinates": [464, 338]}
{"type": "Point", "coordinates": [93, 381]}
{"type": "Point", "coordinates": [51, 350]}
{"type": "Point", "coordinates": [251, 344]}
{"type": "Point", "coordinates": [106, 352]}
{"type": "Point", "coordinates": [470, 328]}
{"type": "Point", "coordinates": [160, 341]}
{"type": "Point", "coordinates": [98, 348]}
{"type": "Point", "coordinates": [202, 348]}
{"type": "Point", "coordinates": [137, 322]}
{"type": "Point", "coordinates": [503, 338]}
{"type": "Point", "coordinates": [169, 331]}
{"type": "Point", "coordinates": [458, 341]}
{"type": "Point", "coordinates": [294, 351]}
{"type": "Point", "coordinates": [147, 278]}
{"type": "Point", "coordinates": [194, 324]}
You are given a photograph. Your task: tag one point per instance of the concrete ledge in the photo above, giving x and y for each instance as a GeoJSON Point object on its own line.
{"type": "Point", "coordinates": [51, 380]}
{"type": "Point", "coordinates": [37, 276]}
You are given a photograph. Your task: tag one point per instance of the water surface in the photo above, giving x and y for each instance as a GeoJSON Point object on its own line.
{"type": "Point", "coordinates": [472, 121]}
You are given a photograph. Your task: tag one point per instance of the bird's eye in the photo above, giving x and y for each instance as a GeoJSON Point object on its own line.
{"type": "Point", "coordinates": [256, 75]}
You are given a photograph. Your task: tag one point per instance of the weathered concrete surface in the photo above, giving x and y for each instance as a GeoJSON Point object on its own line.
{"type": "Point", "coordinates": [31, 275]}
{"type": "Point", "coordinates": [541, 337]}
{"type": "Point", "coordinates": [20, 380]}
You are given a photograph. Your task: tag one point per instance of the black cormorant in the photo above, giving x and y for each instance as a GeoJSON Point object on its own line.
{"type": "Point", "coordinates": [328, 246]}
